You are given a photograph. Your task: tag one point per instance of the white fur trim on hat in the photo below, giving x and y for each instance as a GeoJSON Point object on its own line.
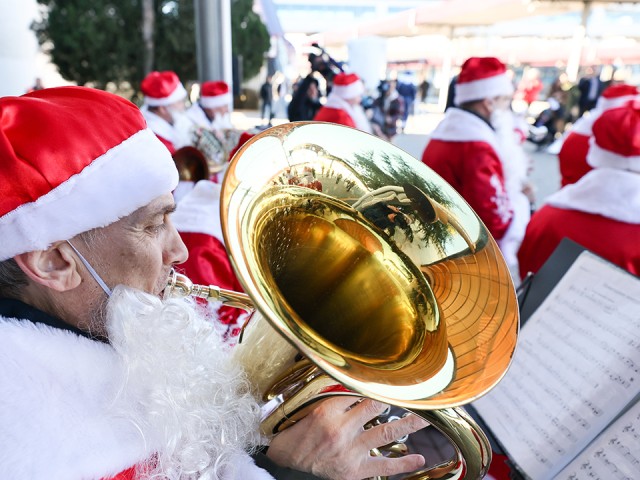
{"type": "Point", "coordinates": [117, 183]}
{"type": "Point", "coordinates": [178, 94]}
{"type": "Point", "coordinates": [598, 157]}
{"type": "Point", "coordinates": [349, 91]}
{"type": "Point", "coordinates": [217, 101]}
{"type": "Point", "coordinates": [496, 86]}
{"type": "Point", "coordinates": [605, 103]}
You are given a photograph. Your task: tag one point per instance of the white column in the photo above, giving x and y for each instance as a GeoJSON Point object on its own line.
{"type": "Point", "coordinates": [579, 36]}
{"type": "Point", "coordinates": [447, 60]}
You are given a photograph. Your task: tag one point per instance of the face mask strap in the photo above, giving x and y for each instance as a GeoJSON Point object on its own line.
{"type": "Point", "coordinates": [93, 273]}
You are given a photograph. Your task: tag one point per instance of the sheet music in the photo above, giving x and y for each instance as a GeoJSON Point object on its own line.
{"type": "Point", "coordinates": [613, 456]}
{"type": "Point", "coordinates": [576, 366]}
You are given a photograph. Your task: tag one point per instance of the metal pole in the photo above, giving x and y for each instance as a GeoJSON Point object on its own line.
{"type": "Point", "coordinates": [575, 57]}
{"type": "Point", "coordinates": [213, 39]}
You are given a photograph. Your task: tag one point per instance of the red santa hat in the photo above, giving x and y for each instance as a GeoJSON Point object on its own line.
{"type": "Point", "coordinates": [616, 138]}
{"type": "Point", "coordinates": [616, 95]}
{"type": "Point", "coordinates": [162, 88]}
{"type": "Point", "coordinates": [347, 86]}
{"type": "Point", "coordinates": [214, 94]}
{"type": "Point", "coordinates": [480, 78]}
{"type": "Point", "coordinates": [74, 159]}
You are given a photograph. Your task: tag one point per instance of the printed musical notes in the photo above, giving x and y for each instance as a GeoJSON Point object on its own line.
{"type": "Point", "coordinates": [577, 365]}
{"type": "Point", "coordinates": [613, 455]}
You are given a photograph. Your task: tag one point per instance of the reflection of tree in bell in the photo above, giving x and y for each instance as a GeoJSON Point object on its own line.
{"type": "Point", "coordinates": [395, 167]}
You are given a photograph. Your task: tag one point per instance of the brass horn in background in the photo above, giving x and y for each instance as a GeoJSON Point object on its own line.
{"type": "Point", "coordinates": [374, 277]}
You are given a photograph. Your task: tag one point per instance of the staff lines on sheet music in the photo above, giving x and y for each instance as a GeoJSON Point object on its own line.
{"type": "Point", "coordinates": [595, 297]}
{"type": "Point", "coordinates": [613, 376]}
{"type": "Point", "coordinates": [534, 423]}
{"type": "Point", "coordinates": [559, 401]}
{"type": "Point", "coordinates": [603, 344]}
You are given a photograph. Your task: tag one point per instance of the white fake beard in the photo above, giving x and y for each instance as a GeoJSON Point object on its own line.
{"type": "Point", "coordinates": [222, 122]}
{"type": "Point", "coordinates": [192, 403]}
{"type": "Point", "coordinates": [359, 117]}
{"type": "Point", "coordinates": [182, 126]}
{"type": "Point", "coordinates": [514, 159]}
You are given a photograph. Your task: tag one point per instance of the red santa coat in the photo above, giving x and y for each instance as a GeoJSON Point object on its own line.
{"type": "Point", "coordinates": [197, 219]}
{"type": "Point", "coordinates": [573, 158]}
{"type": "Point", "coordinates": [334, 115]}
{"type": "Point", "coordinates": [600, 212]}
{"type": "Point", "coordinates": [463, 150]}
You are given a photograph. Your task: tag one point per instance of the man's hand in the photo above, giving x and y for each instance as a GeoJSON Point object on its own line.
{"type": "Point", "coordinates": [331, 443]}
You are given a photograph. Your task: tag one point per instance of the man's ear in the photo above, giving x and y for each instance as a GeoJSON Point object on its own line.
{"type": "Point", "coordinates": [55, 268]}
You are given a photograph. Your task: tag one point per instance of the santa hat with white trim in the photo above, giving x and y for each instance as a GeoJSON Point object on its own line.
{"type": "Point", "coordinates": [616, 138]}
{"type": "Point", "coordinates": [347, 86]}
{"type": "Point", "coordinates": [214, 94]}
{"type": "Point", "coordinates": [480, 78]}
{"type": "Point", "coordinates": [73, 159]}
{"type": "Point", "coordinates": [616, 95]}
{"type": "Point", "coordinates": [162, 88]}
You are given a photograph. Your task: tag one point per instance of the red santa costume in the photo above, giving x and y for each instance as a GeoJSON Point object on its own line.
{"type": "Point", "coordinates": [197, 219]}
{"type": "Point", "coordinates": [601, 211]}
{"type": "Point", "coordinates": [164, 89]}
{"type": "Point", "coordinates": [74, 407]}
{"type": "Point", "coordinates": [464, 150]}
{"type": "Point", "coordinates": [212, 95]}
{"type": "Point", "coordinates": [573, 153]}
{"type": "Point", "coordinates": [338, 109]}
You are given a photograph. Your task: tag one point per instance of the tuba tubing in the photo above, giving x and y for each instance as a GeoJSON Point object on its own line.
{"type": "Point", "coordinates": [473, 450]}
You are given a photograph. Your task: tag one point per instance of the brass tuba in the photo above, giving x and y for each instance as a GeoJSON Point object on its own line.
{"type": "Point", "coordinates": [374, 277]}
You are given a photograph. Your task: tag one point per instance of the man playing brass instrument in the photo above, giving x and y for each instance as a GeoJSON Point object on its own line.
{"type": "Point", "coordinates": [100, 378]}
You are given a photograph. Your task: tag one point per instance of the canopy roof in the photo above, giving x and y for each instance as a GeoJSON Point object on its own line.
{"type": "Point", "coordinates": [445, 17]}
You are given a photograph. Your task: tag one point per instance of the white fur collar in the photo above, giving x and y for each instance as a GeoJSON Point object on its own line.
{"type": "Point", "coordinates": [603, 191]}
{"type": "Point", "coordinates": [461, 126]}
{"type": "Point", "coordinates": [59, 402]}
{"type": "Point", "coordinates": [198, 211]}
{"type": "Point", "coordinates": [58, 406]}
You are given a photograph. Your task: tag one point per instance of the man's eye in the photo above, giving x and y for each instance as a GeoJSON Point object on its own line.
{"type": "Point", "coordinates": [155, 229]}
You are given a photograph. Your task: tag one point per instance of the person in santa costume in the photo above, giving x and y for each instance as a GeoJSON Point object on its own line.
{"type": "Point", "coordinates": [343, 104]}
{"type": "Point", "coordinates": [197, 219]}
{"type": "Point", "coordinates": [212, 110]}
{"type": "Point", "coordinates": [101, 377]}
{"type": "Point", "coordinates": [164, 109]}
{"type": "Point", "coordinates": [572, 156]}
{"type": "Point", "coordinates": [464, 148]}
{"type": "Point", "coordinates": [601, 211]}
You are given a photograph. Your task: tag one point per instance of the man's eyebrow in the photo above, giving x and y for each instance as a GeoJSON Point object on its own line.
{"type": "Point", "coordinates": [161, 210]}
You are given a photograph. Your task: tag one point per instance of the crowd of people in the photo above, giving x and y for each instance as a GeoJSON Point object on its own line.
{"type": "Point", "coordinates": [113, 196]}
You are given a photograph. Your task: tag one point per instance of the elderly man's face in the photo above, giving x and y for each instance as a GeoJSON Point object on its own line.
{"type": "Point", "coordinates": [140, 249]}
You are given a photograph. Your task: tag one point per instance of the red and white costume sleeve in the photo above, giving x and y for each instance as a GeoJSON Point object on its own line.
{"type": "Point", "coordinates": [573, 153]}
{"type": "Point", "coordinates": [463, 151]}
{"type": "Point", "coordinates": [600, 212]}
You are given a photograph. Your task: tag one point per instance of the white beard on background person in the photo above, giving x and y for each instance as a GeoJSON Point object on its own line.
{"type": "Point", "coordinates": [515, 166]}
{"type": "Point", "coordinates": [222, 121]}
{"type": "Point", "coordinates": [193, 405]}
{"type": "Point", "coordinates": [183, 127]}
{"type": "Point", "coordinates": [360, 118]}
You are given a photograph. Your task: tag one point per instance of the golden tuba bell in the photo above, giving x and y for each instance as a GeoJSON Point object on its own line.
{"type": "Point", "coordinates": [374, 277]}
